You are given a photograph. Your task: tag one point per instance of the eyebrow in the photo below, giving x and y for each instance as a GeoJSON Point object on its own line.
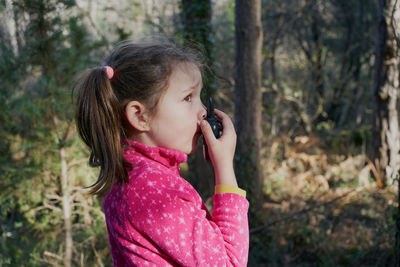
{"type": "Point", "coordinates": [191, 88]}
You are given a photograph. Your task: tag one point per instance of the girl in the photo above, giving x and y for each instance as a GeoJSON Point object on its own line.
{"type": "Point", "coordinates": [140, 116]}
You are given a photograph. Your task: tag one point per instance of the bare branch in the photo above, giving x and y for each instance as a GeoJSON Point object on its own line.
{"type": "Point", "coordinates": [46, 206]}
{"type": "Point", "coordinates": [51, 263]}
{"type": "Point", "coordinates": [77, 212]}
{"type": "Point", "coordinates": [53, 196]}
{"type": "Point", "coordinates": [51, 207]}
{"type": "Point", "coordinates": [79, 225]}
{"type": "Point", "coordinates": [75, 162]}
{"type": "Point", "coordinates": [79, 191]}
{"type": "Point", "coordinates": [394, 27]}
{"type": "Point", "coordinates": [97, 255]}
{"type": "Point", "coordinates": [85, 206]}
{"type": "Point", "coordinates": [52, 255]}
{"type": "Point", "coordinates": [296, 213]}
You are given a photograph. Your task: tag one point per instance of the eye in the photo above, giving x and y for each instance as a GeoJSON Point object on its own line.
{"type": "Point", "coordinates": [188, 98]}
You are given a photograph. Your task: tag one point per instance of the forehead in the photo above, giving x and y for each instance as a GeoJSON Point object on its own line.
{"type": "Point", "coordinates": [184, 76]}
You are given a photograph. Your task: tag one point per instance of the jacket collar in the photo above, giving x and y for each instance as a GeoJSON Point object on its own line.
{"type": "Point", "coordinates": [167, 157]}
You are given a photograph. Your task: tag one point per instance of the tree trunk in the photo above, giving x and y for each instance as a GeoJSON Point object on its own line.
{"type": "Point", "coordinates": [386, 136]}
{"type": "Point", "coordinates": [12, 28]}
{"type": "Point", "coordinates": [355, 95]}
{"type": "Point", "coordinates": [196, 25]}
{"type": "Point", "coordinates": [248, 40]}
{"type": "Point", "coordinates": [397, 241]}
{"type": "Point", "coordinates": [316, 95]}
{"type": "Point", "coordinates": [66, 207]}
{"type": "Point", "coordinates": [316, 67]}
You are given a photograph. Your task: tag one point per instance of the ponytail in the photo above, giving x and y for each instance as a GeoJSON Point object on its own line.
{"type": "Point", "coordinates": [99, 123]}
{"type": "Point", "coordinates": [142, 72]}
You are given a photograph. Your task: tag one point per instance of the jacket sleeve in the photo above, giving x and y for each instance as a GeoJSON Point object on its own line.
{"type": "Point", "coordinates": [177, 224]}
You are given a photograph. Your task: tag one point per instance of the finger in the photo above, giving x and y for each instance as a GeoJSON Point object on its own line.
{"type": "Point", "coordinates": [207, 132]}
{"type": "Point", "coordinates": [205, 152]}
{"type": "Point", "coordinates": [227, 123]}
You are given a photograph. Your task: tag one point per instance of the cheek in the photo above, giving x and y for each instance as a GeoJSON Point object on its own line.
{"type": "Point", "coordinates": [177, 122]}
{"type": "Point", "coordinates": [174, 125]}
{"type": "Point", "coordinates": [182, 115]}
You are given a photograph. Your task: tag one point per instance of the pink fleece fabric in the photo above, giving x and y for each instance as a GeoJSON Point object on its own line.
{"type": "Point", "coordinates": [159, 219]}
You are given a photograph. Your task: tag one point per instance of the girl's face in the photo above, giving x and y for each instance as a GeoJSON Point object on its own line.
{"type": "Point", "coordinates": [175, 124]}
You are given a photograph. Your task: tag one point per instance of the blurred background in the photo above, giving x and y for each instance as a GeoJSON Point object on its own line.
{"type": "Point", "coordinates": [313, 89]}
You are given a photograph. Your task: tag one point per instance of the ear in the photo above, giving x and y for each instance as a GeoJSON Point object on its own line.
{"type": "Point", "coordinates": [136, 114]}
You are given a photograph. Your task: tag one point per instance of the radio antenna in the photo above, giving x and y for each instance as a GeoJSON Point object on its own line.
{"type": "Point", "coordinates": [210, 108]}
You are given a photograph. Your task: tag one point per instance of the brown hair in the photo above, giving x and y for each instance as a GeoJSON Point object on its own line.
{"type": "Point", "coordinates": [141, 73]}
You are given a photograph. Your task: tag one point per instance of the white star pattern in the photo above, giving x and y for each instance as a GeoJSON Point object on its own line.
{"type": "Point", "coordinates": [158, 215]}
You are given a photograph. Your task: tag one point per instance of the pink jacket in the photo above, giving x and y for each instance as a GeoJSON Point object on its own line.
{"type": "Point", "coordinates": [158, 218]}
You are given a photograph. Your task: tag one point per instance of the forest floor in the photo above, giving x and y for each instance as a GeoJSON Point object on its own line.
{"type": "Point", "coordinates": [322, 209]}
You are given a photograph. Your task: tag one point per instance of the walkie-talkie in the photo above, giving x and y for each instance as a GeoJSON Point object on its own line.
{"type": "Point", "coordinates": [216, 126]}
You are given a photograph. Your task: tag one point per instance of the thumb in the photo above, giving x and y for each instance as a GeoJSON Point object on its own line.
{"type": "Point", "coordinates": [207, 132]}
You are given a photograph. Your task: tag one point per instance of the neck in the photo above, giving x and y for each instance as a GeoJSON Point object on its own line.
{"type": "Point", "coordinates": [144, 138]}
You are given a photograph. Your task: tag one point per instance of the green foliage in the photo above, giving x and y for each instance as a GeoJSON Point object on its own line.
{"type": "Point", "coordinates": [55, 44]}
{"type": "Point", "coordinates": [325, 48]}
{"type": "Point", "coordinates": [36, 93]}
{"type": "Point", "coordinates": [197, 29]}
{"type": "Point", "coordinates": [333, 235]}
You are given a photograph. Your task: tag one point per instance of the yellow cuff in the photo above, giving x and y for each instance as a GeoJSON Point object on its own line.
{"type": "Point", "coordinates": [223, 188]}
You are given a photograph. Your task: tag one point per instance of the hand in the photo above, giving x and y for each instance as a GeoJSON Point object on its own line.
{"type": "Point", "coordinates": [221, 150]}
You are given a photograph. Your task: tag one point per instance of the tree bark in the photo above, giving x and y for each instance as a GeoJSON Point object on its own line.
{"type": "Point", "coordinates": [248, 41]}
{"type": "Point", "coordinates": [196, 25]}
{"type": "Point", "coordinates": [386, 136]}
{"type": "Point", "coordinates": [397, 241]}
{"type": "Point", "coordinates": [66, 208]}
{"type": "Point", "coordinates": [11, 25]}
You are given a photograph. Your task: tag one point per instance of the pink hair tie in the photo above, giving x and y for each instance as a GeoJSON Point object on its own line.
{"type": "Point", "coordinates": [109, 71]}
